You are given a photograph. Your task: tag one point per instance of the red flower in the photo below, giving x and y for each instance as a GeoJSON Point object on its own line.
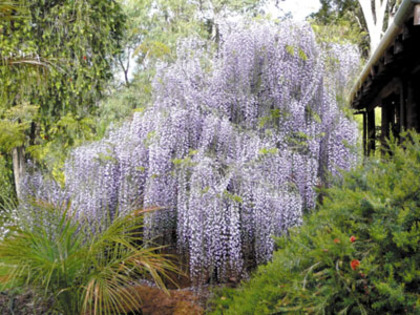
{"type": "Point", "coordinates": [337, 240]}
{"type": "Point", "coordinates": [84, 58]}
{"type": "Point", "coordinates": [353, 239]}
{"type": "Point", "coordinates": [354, 264]}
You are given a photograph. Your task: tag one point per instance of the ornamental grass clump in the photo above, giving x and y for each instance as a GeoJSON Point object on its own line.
{"type": "Point", "coordinates": [359, 253]}
{"type": "Point", "coordinates": [77, 271]}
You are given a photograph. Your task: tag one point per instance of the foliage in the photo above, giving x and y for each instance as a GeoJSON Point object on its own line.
{"type": "Point", "coordinates": [119, 106]}
{"type": "Point", "coordinates": [56, 56]}
{"type": "Point", "coordinates": [78, 37]}
{"type": "Point", "coordinates": [358, 254]}
{"type": "Point", "coordinates": [333, 10]}
{"type": "Point", "coordinates": [232, 147]}
{"type": "Point", "coordinates": [6, 188]}
{"type": "Point", "coordinates": [16, 121]}
{"type": "Point", "coordinates": [341, 20]}
{"type": "Point", "coordinates": [155, 27]}
{"type": "Point", "coordinates": [340, 31]}
{"type": "Point", "coordinates": [82, 272]}
{"type": "Point", "coordinates": [355, 21]}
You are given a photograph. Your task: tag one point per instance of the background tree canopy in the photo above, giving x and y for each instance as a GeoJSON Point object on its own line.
{"type": "Point", "coordinates": [363, 21]}
{"type": "Point", "coordinates": [56, 57]}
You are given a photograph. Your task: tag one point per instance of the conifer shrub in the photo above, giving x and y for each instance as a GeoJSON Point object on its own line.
{"type": "Point", "coordinates": [358, 254]}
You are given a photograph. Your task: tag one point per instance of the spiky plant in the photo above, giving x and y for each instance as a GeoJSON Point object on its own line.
{"type": "Point", "coordinates": [82, 272]}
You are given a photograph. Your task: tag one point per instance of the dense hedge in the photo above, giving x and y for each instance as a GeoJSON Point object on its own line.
{"type": "Point", "coordinates": [358, 254]}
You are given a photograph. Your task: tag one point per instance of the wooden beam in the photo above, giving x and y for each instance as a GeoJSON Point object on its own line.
{"type": "Point", "coordinates": [417, 14]}
{"type": "Point", "coordinates": [394, 86]}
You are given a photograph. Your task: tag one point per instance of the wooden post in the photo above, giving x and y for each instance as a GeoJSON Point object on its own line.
{"type": "Point", "coordinates": [403, 95]}
{"type": "Point", "coordinates": [371, 131]}
{"type": "Point", "coordinates": [410, 105]}
{"type": "Point", "coordinates": [415, 114]}
{"type": "Point", "coordinates": [397, 114]}
{"type": "Point", "coordinates": [385, 122]}
{"type": "Point", "coordinates": [365, 149]}
{"type": "Point", "coordinates": [389, 123]}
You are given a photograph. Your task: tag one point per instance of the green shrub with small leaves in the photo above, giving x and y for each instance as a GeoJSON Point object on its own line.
{"type": "Point", "coordinates": [359, 253]}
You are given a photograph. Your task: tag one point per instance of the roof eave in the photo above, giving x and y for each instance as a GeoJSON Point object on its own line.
{"type": "Point", "coordinates": [393, 30]}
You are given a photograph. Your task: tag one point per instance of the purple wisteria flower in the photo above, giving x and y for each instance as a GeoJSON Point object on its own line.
{"type": "Point", "coordinates": [231, 148]}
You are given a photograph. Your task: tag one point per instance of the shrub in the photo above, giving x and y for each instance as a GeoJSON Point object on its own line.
{"type": "Point", "coordinates": [82, 272]}
{"type": "Point", "coordinates": [358, 254]}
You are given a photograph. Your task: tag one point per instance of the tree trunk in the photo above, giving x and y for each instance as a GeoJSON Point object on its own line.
{"type": "Point", "coordinates": [18, 168]}
{"type": "Point", "coordinates": [374, 13]}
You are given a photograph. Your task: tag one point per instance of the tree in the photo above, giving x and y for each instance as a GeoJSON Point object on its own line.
{"type": "Point", "coordinates": [332, 10]}
{"type": "Point", "coordinates": [25, 66]}
{"type": "Point", "coordinates": [374, 13]}
{"type": "Point", "coordinates": [232, 146]}
{"type": "Point", "coordinates": [79, 39]}
{"type": "Point", "coordinates": [372, 16]}
{"type": "Point", "coordinates": [154, 28]}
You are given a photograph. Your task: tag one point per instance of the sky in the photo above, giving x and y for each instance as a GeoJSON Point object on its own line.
{"type": "Point", "coordinates": [300, 9]}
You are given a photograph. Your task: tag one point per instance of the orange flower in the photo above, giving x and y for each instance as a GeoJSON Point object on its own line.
{"type": "Point", "coordinates": [353, 239]}
{"type": "Point", "coordinates": [354, 264]}
{"type": "Point", "coordinates": [337, 240]}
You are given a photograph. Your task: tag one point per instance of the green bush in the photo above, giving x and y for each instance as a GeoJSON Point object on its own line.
{"type": "Point", "coordinates": [357, 254]}
{"type": "Point", "coordinates": [82, 272]}
{"type": "Point", "coordinates": [6, 181]}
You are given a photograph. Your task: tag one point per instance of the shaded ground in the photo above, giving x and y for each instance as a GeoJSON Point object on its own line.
{"type": "Point", "coordinates": [155, 302]}
{"type": "Point", "coordinates": [16, 303]}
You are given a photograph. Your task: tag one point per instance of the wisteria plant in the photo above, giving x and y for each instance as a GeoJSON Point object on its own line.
{"type": "Point", "coordinates": [232, 147]}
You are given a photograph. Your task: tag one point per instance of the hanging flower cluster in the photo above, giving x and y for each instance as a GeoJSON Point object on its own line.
{"type": "Point", "coordinates": [231, 148]}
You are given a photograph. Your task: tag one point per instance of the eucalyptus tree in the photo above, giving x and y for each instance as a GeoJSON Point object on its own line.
{"type": "Point", "coordinates": [371, 16]}
{"type": "Point", "coordinates": [375, 14]}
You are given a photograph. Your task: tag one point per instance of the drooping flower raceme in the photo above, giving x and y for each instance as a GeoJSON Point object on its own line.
{"type": "Point", "coordinates": [231, 148]}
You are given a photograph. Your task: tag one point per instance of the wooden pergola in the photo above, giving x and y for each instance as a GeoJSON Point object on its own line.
{"type": "Point", "coordinates": [391, 80]}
